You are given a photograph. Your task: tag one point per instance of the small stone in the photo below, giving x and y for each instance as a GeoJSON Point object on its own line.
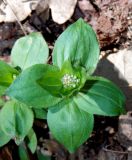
{"type": "Point", "coordinates": [125, 130]}
{"type": "Point", "coordinates": [110, 130]}
{"type": "Point", "coordinates": [115, 49]}
{"type": "Point", "coordinates": [130, 148]}
{"type": "Point", "coordinates": [45, 152]}
{"type": "Point", "coordinates": [108, 52]}
{"type": "Point", "coordinates": [103, 53]}
{"type": "Point", "coordinates": [129, 22]}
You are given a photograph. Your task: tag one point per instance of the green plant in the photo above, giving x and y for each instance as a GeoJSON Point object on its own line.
{"type": "Point", "coordinates": [65, 92]}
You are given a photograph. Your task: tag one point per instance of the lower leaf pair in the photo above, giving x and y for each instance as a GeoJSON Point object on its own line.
{"type": "Point", "coordinates": [16, 121]}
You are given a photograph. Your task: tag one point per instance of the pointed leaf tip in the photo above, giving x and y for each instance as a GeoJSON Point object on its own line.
{"type": "Point", "coordinates": [79, 44]}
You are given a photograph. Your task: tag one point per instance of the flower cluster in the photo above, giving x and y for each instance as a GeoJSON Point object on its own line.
{"type": "Point", "coordinates": [70, 81]}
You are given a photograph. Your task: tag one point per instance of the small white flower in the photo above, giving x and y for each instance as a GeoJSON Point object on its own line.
{"type": "Point", "coordinates": [70, 81]}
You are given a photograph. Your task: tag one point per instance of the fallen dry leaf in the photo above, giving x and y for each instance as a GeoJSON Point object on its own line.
{"type": "Point", "coordinates": [11, 10]}
{"type": "Point", "coordinates": [62, 10]}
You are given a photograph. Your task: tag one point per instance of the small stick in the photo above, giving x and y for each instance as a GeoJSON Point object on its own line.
{"type": "Point", "coordinates": [17, 19]}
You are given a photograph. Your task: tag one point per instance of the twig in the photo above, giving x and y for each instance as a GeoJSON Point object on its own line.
{"type": "Point", "coordinates": [16, 17]}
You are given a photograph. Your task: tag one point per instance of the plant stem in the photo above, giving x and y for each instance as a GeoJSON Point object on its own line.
{"type": "Point", "coordinates": [23, 153]}
{"type": "Point", "coordinates": [72, 156]}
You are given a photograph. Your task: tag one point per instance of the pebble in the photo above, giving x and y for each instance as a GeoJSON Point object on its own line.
{"type": "Point", "coordinates": [115, 50]}
{"type": "Point", "coordinates": [108, 51]}
{"type": "Point", "coordinates": [110, 130]}
{"type": "Point", "coordinates": [46, 153]}
{"type": "Point", "coordinates": [103, 53]}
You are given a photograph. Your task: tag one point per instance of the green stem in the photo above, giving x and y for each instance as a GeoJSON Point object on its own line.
{"type": "Point", "coordinates": [23, 152]}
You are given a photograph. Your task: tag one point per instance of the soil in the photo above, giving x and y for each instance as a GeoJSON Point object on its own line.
{"type": "Point", "coordinates": [104, 142]}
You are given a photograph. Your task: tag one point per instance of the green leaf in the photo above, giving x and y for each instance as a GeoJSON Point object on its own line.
{"type": "Point", "coordinates": [3, 138]}
{"type": "Point", "coordinates": [7, 74]}
{"type": "Point", "coordinates": [67, 68]}
{"type": "Point", "coordinates": [51, 84]}
{"type": "Point", "coordinates": [2, 90]}
{"type": "Point", "coordinates": [29, 50]}
{"type": "Point", "coordinates": [2, 102]}
{"type": "Point", "coordinates": [70, 125]}
{"type": "Point", "coordinates": [100, 96]}
{"type": "Point", "coordinates": [26, 89]}
{"type": "Point", "coordinates": [16, 120]}
{"type": "Point", "coordinates": [40, 113]}
{"type": "Point", "coordinates": [51, 81]}
{"type": "Point", "coordinates": [32, 141]}
{"type": "Point", "coordinates": [79, 44]}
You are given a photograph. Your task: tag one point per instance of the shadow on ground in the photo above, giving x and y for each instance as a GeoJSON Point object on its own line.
{"type": "Point", "coordinates": [108, 70]}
